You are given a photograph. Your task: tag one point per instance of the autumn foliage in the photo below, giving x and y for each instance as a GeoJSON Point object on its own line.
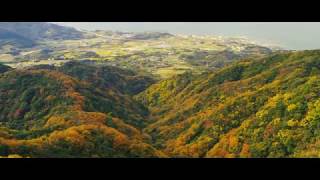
{"type": "Point", "coordinates": [266, 107]}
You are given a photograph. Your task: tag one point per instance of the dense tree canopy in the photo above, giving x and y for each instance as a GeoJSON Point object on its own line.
{"type": "Point", "coordinates": [47, 113]}
{"type": "Point", "coordinates": [253, 108]}
{"type": "Point", "coordinates": [265, 107]}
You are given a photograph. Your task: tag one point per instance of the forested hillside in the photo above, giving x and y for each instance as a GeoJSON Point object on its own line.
{"type": "Point", "coordinates": [46, 113]}
{"type": "Point", "coordinates": [266, 107]}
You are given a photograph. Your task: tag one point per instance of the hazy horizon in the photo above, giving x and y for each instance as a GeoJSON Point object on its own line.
{"type": "Point", "coordinates": [293, 35]}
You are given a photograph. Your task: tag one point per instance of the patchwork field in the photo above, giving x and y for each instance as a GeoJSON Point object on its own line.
{"type": "Point", "coordinates": [159, 54]}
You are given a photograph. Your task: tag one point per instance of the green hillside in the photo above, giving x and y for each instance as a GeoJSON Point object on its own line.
{"type": "Point", "coordinates": [125, 81]}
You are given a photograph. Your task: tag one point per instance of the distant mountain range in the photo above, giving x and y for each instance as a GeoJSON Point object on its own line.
{"type": "Point", "coordinates": [27, 34]}
{"type": "Point", "coordinates": [11, 38]}
{"type": "Point", "coordinates": [38, 31]}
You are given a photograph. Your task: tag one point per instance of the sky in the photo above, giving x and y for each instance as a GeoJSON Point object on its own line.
{"type": "Point", "coordinates": [293, 35]}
